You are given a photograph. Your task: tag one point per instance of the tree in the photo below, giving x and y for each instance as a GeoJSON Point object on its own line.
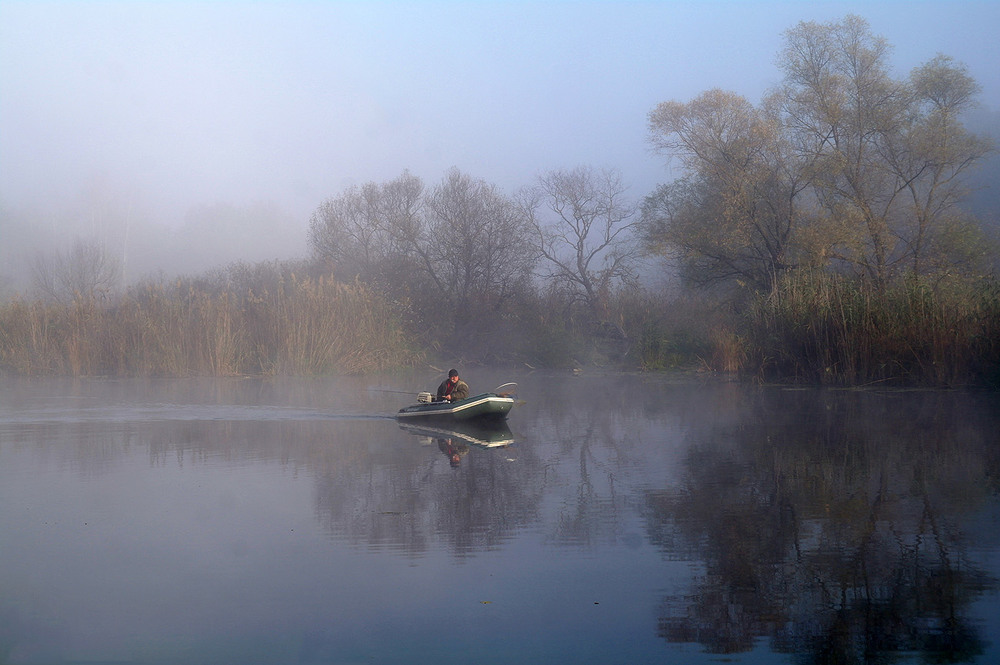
{"type": "Point", "coordinates": [732, 218]}
{"type": "Point", "coordinates": [372, 232]}
{"type": "Point", "coordinates": [935, 152]}
{"type": "Point", "coordinates": [583, 223]}
{"type": "Point", "coordinates": [85, 273]}
{"type": "Point", "coordinates": [842, 167]}
{"type": "Point", "coordinates": [884, 156]}
{"type": "Point", "coordinates": [477, 252]}
{"type": "Point", "coordinates": [455, 254]}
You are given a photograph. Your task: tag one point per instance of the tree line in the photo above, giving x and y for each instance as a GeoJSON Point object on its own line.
{"type": "Point", "coordinates": [841, 168]}
{"type": "Point", "coordinates": [472, 267]}
{"type": "Point", "coordinates": [818, 236]}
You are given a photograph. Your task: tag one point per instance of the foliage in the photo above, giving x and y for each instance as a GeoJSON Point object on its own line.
{"type": "Point", "coordinates": [842, 168]}
{"type": "Point", "coordinates": [668, 335]}
{"type": "Point", "coordinates": [824, 225]}
{"type": "Point", "coordinates": [733, 217]}
{"type": "Point", "coordinates": [833, 209]}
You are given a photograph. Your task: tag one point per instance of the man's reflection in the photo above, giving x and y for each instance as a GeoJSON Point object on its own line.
{"type": "Point", "coordinates": [453, 450]}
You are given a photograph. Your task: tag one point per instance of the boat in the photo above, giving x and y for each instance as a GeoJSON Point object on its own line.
{"type": "Point", "coordinates": [487, 407]}
{"type": "Point", "coordinates": [470, 433]}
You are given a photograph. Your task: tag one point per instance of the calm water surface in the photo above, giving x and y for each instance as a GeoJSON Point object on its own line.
{"type": "Point", "coordinates": [628, 519]}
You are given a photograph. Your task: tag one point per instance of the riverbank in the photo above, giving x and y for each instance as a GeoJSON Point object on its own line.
{"type": "Point", "coordinates": [818, 330]}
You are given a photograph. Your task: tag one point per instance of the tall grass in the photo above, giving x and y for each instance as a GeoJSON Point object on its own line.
{"type": "Point", "coordinates": [290, 325]}
{"type": "Point", "coordinates": [834, 330]}
{"type": "Point", "coordinates": [277, 319]}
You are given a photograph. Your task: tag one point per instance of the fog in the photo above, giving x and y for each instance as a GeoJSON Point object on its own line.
{"type": "Point", "coordinates": [187, 135]}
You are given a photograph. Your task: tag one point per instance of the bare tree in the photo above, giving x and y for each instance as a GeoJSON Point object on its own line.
{"type": "Point", "coordinates": [374, 232]}
{"type": "Point", "coordinates": [456, 255]}
{"type": "Point", "coordinates": [478, 245]}
{"type": "Point", "coordinates": [84, 273]}
{"type": "Point", "coordinates": [582, 222]}
{"type": "Point", "coordinates": [931, 157]}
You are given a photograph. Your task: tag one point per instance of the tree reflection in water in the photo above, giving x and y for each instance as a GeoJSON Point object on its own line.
{"type": "Point", "coordinates": [836, 526]}
{"type": "Point", "coordinates": [405, 500]}
{"type": "Point", "coordinates": [832, 525]}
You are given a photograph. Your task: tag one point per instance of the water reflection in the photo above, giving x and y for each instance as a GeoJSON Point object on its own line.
{"type": "Point", "coordinates": [617, 518]}
{"type": "Point", "coordinates": [495, 435]}
{"type": "Point", "coordinates": [415, 500]}
{"type": "Point", "coordinates": [836, 525]}
{"type": "Point", "coordinates": [454, 439]}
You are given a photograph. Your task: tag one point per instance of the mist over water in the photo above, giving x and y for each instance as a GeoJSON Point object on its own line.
{"type": "Point", "coordinates": [631, 519]}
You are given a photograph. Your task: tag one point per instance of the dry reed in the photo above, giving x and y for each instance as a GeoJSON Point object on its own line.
{"type": "Point", "coordinates": [833, 330]}
{"type": "Point", "coordinates": [291, 326]}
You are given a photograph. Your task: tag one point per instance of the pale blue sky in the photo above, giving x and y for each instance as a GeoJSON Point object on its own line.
{"type": "Point", "coordinates": [173, 104]}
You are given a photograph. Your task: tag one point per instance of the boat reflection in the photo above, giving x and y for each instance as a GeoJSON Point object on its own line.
{"type": "Point", "coordinates": [496, 435]}
{"type": "Point", "coordinates": [455, 439]}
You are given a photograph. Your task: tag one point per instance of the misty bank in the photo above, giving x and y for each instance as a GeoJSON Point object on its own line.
{"type": "Point", "coordinates": [816, 330]}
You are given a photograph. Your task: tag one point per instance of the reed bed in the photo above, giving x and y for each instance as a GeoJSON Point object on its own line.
{"type": "Point", "coordinates": [266, 320]}
{"type": "Point", "coordinates": [291, 326]}
{"type": "Point", "coordinates": [834, 330]}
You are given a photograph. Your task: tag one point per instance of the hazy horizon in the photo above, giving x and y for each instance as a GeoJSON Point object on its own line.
{"type": "Point", "coordinates": [229, 123]}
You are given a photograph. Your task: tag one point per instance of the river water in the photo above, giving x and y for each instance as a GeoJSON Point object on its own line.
{"type": "Point", "coordinates": [620, 519]}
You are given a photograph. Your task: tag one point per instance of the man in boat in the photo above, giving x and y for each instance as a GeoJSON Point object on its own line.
{"type": "Point", "coordinates": [453, 388]}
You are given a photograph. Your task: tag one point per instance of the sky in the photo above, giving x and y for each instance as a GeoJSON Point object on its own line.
{"type": "Point", "coordinates": [167, 106]}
